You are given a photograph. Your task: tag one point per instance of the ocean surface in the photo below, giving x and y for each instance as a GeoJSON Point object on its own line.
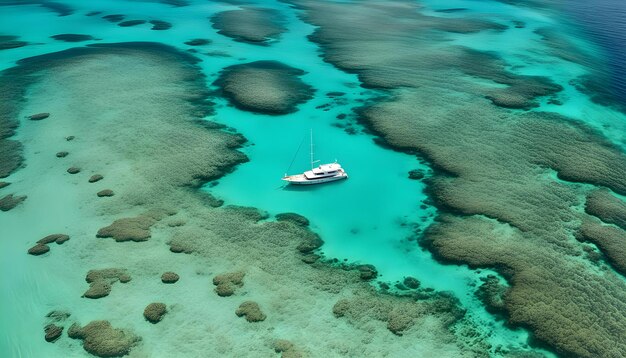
{"type": "Point", "coordinates": [375, 217]}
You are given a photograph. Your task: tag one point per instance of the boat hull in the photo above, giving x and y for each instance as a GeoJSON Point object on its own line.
{"type": "Point", "coordinates": [302, 180]}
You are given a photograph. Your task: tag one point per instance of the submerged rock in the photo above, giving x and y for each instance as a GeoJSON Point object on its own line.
{"type": "Point", "coordinates": [287, 349]}
{"type": "Point", "coordinates": [102, 340]}
{"type": "Point", "coordinates": [114, 17]}
{"type": "Point", "coordinates": [38, 249]}
{"type": "Point", "coordinates": [95, 178]}
{"type": "Point", "coordinates": [251, 311]}
{"type": "Point", "coordinates": [154, 312]}
{"type": "Point", "coordinates": [491, 294]}
{"type": "Point", "coordinates": [58, 238]}
{"type": "Point", "coordinates": [58, 316]}
{"type": "Point", "coordinates": [198, 42]}
{"type": "Point", "coordinates": [72, 37]}
{"type": "Point", "coordinates": [9, 42]}
{"type": "Point", "coordinates": [4, 184]}
{"type": "Point", "coordinates": [170, 277]}
{"type": "Point", "coordinates": [268, 87]}
{"type": "Point", "coordinates": [62, 154]}
{"type": "Point", "coordinates": [73, 170]}
{"type": "Point", "coordinates": [52, 332]}
{"type": "Point", "coordinates": [227, 283]}
{"type": "Point", "coordinates": [9, 201]}
{"type": "Point", "coordinates": [130, 23]}
{"type": "Point", "coordinates": [416, 174]}
{"type": "Point", "coordinates": [39, 116]}
{"type": "Point", "coordinates": [105, 192]}
{"type": "Point", "coordinates": [100, 281]}
{"type": "Point", "coordinates": [160, 25]}
{"type": "Point", "coordinates": [411, 282]}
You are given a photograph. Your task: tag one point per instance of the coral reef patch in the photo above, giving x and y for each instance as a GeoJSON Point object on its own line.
{"type": "Point", "coordinates": [100, 281]}
{"type": "Point", "coordinates": [8, 42]}
{"type": "Point", "coordinates": [508, 189]}
{"type": "Point", "coordinates": [606, 206]}
{"type": "Point", "coordinates": [131, 229]}
{"type": "Point", "coordinates": [102, 340]}
{"type": "Point", "coordinates": [10, 201]}
{"type": "Point", "coordinates": [105, 193]}
{"type": "Point", "coordinates": [41, 247]}
{"type": "Point", "coordinates": [170, 277]}
{"type": "Point", "coordinates": [95, 178]}
{"type": "Point", "coordinates": [264, 87]}
{"type": "Point", "coordinates": [251, 311]}
{"type": "Point", "coordinates": [52, 332]}
{"type": "Point", "coordinates": [227, 283]}
{"type": "Point", "coordinates": [154, 312]}
{"type": "Point", "coordinates": [254, 25]}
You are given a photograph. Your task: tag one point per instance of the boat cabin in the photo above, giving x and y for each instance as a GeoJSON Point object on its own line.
{"type": "Point", "coordinates": [322, 171]}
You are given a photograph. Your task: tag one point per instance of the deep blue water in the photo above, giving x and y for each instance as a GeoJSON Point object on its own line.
{"type": "Point", "coordinates": [604, 23]}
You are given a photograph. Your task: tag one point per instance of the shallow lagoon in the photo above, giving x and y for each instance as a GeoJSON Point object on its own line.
{"type": "Point", "coordinates": [369, 218]}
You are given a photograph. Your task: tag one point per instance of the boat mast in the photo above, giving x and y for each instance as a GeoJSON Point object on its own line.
{"type": "Point", "coordinates": [311, 148]}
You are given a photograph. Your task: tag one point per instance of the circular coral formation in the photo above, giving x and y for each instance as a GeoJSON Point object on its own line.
{"type": "Point", "coordinates": [105, 193]}
{"type": "Point", "coordinates": [73, 170]}
{"type": "Point", "coordinates": [52, 332]}
{"type": "Point", "coordinates": [170, 277]}
{"type": "Point", "coordinates": [268, 87]}
{"type": "Point", "coordinates": [251, 311]}
{"type": "Point", "coordinates": [38, 116]}
{"type": "Point", "coordinates": [154, 312]}
{"type": "Point", "coordinates": [254, 25]}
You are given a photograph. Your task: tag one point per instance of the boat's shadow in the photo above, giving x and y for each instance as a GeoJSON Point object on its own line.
{"type": "Point", "coordinates": [311, 187]}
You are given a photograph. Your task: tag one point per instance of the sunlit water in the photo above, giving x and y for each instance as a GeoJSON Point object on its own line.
{"type": "Point", "coordinates": [370, 218]}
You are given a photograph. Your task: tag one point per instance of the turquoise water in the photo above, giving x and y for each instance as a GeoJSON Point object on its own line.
{"type": "Point", "coordinates": [370, 218]}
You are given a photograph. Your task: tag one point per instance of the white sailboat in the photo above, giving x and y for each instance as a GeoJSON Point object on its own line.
{"type": "Point", "coordinates": [323, 173]}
